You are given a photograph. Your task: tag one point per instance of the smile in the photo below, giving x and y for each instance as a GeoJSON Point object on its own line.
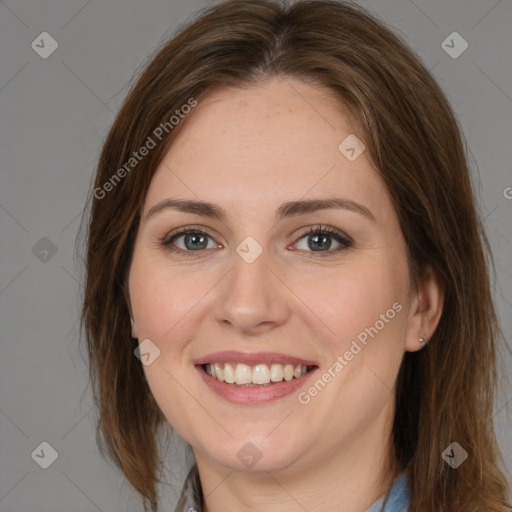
{"type": "Point", "coordinates": [259, 375]}
{"type": "Point", "coordinates": [250, 379]}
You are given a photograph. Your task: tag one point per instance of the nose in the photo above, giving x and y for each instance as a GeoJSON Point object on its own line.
{"type": "Point", "coordinates": [254, 299]}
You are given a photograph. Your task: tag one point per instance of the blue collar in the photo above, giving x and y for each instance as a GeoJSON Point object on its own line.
{"type": "Point", "coordinates": [399, 496]}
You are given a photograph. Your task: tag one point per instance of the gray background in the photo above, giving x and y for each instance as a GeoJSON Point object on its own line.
{"type": "Point", "coordinates": [54, 115]}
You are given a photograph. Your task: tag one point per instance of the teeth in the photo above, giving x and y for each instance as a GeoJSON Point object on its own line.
{"type": "Point", "coordinates": [276, 373]}
{"type": "Point", "coordinates": [229, 373]}
{"type": "Point", "coordinates": [219, 371]}
{"type": "Point", "coordinates": [288, 372]}
{"type": "Point", "coordinates": [259, 375]}
{"type": "Point", "coordinates": [243, 374]}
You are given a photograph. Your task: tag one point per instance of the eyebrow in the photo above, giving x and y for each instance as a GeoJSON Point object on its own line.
{"type": "Point", "coordinates": [288, 209]}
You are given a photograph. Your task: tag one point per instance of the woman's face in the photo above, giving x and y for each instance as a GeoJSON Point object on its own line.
{"type": "Point", "coordinates": [255, 293]}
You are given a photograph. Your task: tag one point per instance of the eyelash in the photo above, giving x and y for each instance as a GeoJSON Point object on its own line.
{"type": "Point", "coordinates": [345, 241]}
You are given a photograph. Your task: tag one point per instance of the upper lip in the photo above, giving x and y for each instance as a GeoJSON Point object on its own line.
{"type": "Point", "coordinates": [251, 359]}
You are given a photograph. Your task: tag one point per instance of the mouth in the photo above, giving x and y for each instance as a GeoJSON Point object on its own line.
{"type": "Point", "coordinates": [249, 379]}
{"type": "Point", "coordinates": [259, 375]}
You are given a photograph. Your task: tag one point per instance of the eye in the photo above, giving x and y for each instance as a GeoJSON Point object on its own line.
{"type": "Point", "coordinates": [195, 240]}
{"type": "Point", "coordinates": [318, 239]}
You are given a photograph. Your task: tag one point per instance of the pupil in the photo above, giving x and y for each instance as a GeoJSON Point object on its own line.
{"type": "Point", "coordinates": [323, 238]}
{"type": "Point", "coordinates": [190, 237]}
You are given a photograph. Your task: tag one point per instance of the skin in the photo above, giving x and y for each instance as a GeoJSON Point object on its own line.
{"type": "Point", "coordinates": [249, 150]}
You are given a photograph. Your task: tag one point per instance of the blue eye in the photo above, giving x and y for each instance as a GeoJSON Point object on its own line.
{"type": "Point", "coordinates": [194, 239]}
{"type": "Point", "coordinates": [321, 237]}
{"type": "Point", "coordinates": [318, 237]}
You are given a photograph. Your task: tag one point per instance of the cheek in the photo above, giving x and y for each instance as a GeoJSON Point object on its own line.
{"type": "Point", "coordinates": [162, 301]}
{"type": "Point", "coordinates": [350, 302]}
{"type": "Point", "coordinates": [161, 296]}
{"type": "Point", "coordinates": [365, 312]}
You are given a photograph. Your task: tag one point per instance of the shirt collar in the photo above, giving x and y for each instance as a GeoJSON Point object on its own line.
{"type": "Point", "coordinates": [398, 498]}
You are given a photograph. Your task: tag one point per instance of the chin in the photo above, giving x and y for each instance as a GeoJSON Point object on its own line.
{"type": "Point", "coordinates": [257, 452]}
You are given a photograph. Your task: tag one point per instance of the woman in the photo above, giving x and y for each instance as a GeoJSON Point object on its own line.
{"type": "Point", "coordinates": [358, 379]}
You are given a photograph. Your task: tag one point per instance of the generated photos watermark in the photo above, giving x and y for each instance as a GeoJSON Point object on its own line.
{"type": "Point", "coordinates": [150, 143]}
{"type": "Point", "coordinates": [304, 397]}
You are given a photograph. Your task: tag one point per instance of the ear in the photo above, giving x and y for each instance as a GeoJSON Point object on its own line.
{"type": "Point", "coordinates": [128, 303]}
{"type": "Point", "coordinates": [135, 332]}
{"type": "Point", "coordinates": [425, 310]}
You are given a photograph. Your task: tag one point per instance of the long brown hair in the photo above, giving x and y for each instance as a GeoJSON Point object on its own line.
{"type": "Point", "coordinates": [445, 392]}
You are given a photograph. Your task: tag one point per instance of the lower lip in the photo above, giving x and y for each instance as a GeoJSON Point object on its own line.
{"type": "Point", "coordinates": [257, 395]}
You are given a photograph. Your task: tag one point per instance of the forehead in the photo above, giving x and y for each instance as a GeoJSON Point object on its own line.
{"type": "Point", "coordinates": [279, 113]}
{"type": "Point", "coordinates": [266, 144]}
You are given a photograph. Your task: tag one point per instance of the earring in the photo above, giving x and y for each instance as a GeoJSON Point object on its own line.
{"type": "Point", "coordinates": [423, 341]}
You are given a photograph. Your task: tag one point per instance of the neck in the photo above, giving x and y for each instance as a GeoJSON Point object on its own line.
{"type": "Point", "coordinates": [349, 477]}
